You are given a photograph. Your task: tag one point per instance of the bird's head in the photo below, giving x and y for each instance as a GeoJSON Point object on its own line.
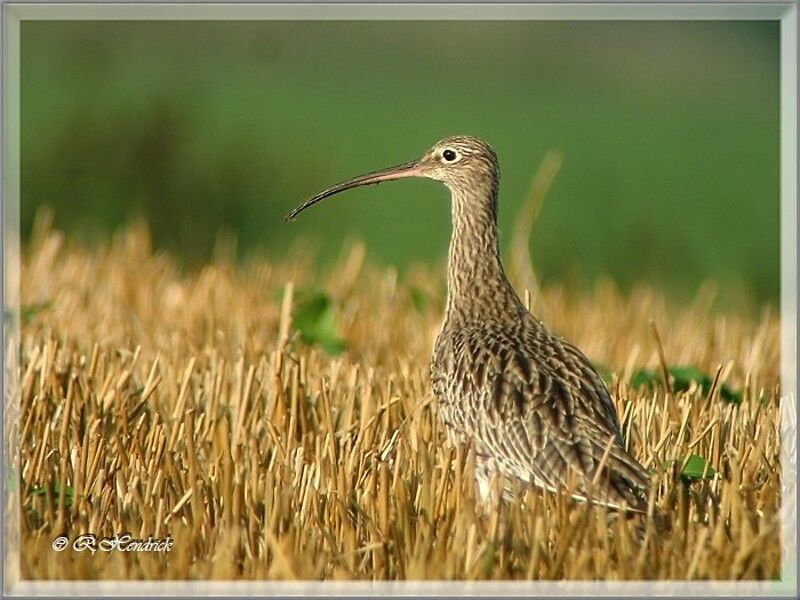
{"type": "Point", "coordinates": [463, 163]}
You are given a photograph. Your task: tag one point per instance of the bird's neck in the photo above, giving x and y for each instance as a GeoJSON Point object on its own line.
{"type": "Point", "coordinates": [477, 286]}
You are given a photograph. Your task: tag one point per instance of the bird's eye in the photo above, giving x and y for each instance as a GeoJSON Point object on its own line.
{"type": "Point", "coordinates": [449, 155]}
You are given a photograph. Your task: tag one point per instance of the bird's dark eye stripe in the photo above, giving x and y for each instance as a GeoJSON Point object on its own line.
{"type": "Point", "coordinates": [449, 155]}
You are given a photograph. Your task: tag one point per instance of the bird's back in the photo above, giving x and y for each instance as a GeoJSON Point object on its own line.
{"type": "Point", "coordinates": [534, 407]}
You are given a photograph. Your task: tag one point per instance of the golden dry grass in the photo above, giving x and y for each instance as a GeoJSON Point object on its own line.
{"type": "Point", "coordinates": [183, 404]}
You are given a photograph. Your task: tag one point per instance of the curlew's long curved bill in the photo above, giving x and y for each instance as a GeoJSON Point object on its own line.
{"type": "Point", "coordinates": [409, 169]}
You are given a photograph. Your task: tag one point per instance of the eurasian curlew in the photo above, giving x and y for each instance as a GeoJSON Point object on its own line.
{"type": "Point", "coordinates": [530, 402]}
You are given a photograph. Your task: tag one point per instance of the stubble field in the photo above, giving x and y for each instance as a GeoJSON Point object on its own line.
{"type": "Point", "coordinates": [278, 424]}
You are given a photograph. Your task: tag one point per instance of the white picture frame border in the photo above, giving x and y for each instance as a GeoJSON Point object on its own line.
{"type": "Point", "coordinates": [785, 12]}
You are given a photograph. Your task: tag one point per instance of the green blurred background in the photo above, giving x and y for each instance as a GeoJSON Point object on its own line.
{"type": "Point", "coordinates": [669, 133]}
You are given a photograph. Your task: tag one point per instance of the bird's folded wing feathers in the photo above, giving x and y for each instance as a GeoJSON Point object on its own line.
{"type": "Point", "coordinates": [550, 417]}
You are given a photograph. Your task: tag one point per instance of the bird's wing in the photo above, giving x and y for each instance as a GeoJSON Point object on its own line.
{"type": "Point", "coordinates": [546, 413]}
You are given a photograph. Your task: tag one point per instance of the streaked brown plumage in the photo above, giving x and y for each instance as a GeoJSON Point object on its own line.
{"type": "Point", "coordinates": [530, 402]}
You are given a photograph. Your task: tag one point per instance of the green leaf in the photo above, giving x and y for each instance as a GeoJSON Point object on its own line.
{"type": "Point", "coordinates": [55, 493]}
{"type": "Point", "coordinates": [315, 319]}
{"type": "Point", "coordinates": [69, 495]}
{"type": "Point", "coordinates": [683, 376]}
{"type": "Point", "coordinates": [644, 377]}
{"type": "Point", "coordinates": [310, 310]}
{"type": "Point", "coordinates": [730, 396]}
{"type": "Point", "coordinates": [694, 467]}
{"type": "Point", "coordinates": [418, 299]}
